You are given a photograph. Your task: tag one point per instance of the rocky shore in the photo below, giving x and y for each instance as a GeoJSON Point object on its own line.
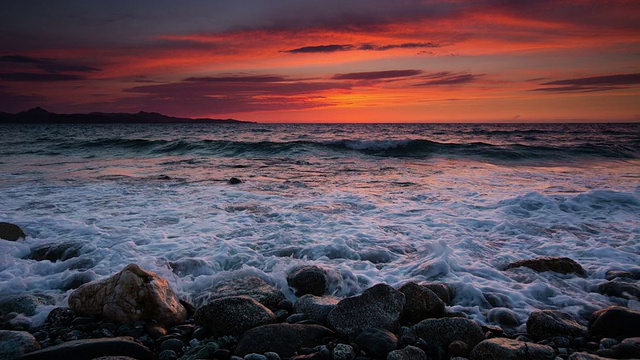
{"type": "Point", "coordinates": [134, 314]}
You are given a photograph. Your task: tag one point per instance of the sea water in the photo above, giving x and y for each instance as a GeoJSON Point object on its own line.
{"type": "Point", "coordinates": [370, 203]}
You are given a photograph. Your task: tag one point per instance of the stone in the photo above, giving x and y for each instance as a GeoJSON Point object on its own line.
{"type": "Point", "coordinates": [233, 315]}
{"type": "Point", "coordinates": [168, 355]}
{"type": "Point", "coordinates": [172, 344]}
{"type": "Point", "coordinates": [444, 331]}
{"type": "Point", "coordinates": [254, 356]}
{"type": "Point", "coordinates": [408, 353]}
{"type": "Point", "coordinates": [234, 181]}
{"type": "Point", "coordinates": [132, 294]}
{"type": "Point", "coordinates": [503, 317]}
{"type": "Point", "coordinates": [377, 343]}
{"type": "Point", "coordinates": [56, 252]}
{"type": "Point", "coordinates": [380, 306]}
{"type": "Point", "coordinates": [78, 279]}
{"type": "Point", "coordinates": [24, 303]}
{"type": "Point", "coordinates": [308, 280]}
{"type": "Point", "coordinates": [445, 292]}
{"type": "Point", "coordinates": [16, 343]}
{"type": "Point", "coordinates": [283, 339]}
{"type": "Point", "coordinates": [458, 348]}
{"type": "Point", "coordinates": [562, 265]}
{"type": "Point", "coordinates": [548, 323]}
{"type": "Point", "coordinates": [11, 232]}
{"type": "Point", "coordinates": [251, 286]}
{"type": "Point", "coordinates": [627, 349]}
{"type": "Point", "coordinates": [60, 316]}
{"type": "Point", "coordinates": [272, 355]}
{"type": "Point", "coordinates": [315, 307]}
{"type": "Point", "coordinates": [615, 321]}
{"type": "Point", "coordinates": [420, 303]}
{"type": "Point", "coordinates": [343, 352]}
{"type": "Point", "coordinates": [621, 289]}
{"type": "Point", "coordinates": [585, 356]}
{"type": "Point", "coordinates": [623, 274]}
{"type": "Point", "coordinates": [508, 349]}
{"type": "Point", "coordinates": [93, 348]}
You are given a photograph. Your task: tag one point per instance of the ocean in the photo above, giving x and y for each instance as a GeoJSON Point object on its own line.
{"type": "Point", "coordinates": [390, 203]}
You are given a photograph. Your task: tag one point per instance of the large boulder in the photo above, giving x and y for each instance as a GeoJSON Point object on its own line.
{"type": "Point", "coordinates": [283, 339]}
{"type": "Point", "coordinates": [548, 323]}
{"type": "Point", "coordinates": [379, 306]}
{"type": "Point", "coordinates": [251, 286]}
{"type": "Point", "coordinates": [132, 294]}
{"type": "Point", "coordinates": [308, 280]}
{"type": "Point", "coordinates": [315, 308]}
{"type": "Point", "coordinates": [233, 315]}
{"type": "Point", "coordinates": [562, 265]}
{"type": "Point", "coordinates": [16, 343]}
{"type": "Point", "coordinates": [615, 321]}
{"type": "Point", "coordinates": [11, 232]}
{"type": "Point", "coordinates": [93, 348]}
{"type": "Point", "coordinates": [508, 349]}
{"type": "Point", "coordinates": [421, 303]}
{"type": "Point", "coordinates": [444, 331]}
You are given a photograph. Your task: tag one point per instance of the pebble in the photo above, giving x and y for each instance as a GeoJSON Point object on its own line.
{"type": "Point", "coordinates": [254, 356]}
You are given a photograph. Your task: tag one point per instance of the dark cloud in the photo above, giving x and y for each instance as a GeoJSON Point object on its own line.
{"type": "Point", "coordinates": [592, 84]}
{"type": "Point", "coordinates": [376, 75]}
{"type": "Point", "coordinates": [29, 69]}
{"type": "Point", "coordinates": [47, 65]}
{"type": "Point", "coordinates": [347, 47]}
{"type": "Point", "coordinates": [228, 79]}
{"type": "Point", "coordinates": [447, 78]}
{"type": "Point", "coordinates": [38, 77]}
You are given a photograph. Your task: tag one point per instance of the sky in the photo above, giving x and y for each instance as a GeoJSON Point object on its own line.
{"type": "Point", "coordinates": [326, 61]}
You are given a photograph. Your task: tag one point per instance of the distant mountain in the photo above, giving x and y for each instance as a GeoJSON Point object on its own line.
{"type": "Point", "coordinates": [39, 115]}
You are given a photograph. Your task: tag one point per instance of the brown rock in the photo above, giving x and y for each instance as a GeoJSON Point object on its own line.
{"type": "Point", "coordinates": [562, 265]}
{"type": "Point", "coordinates": [283, 339]}
{"type": "Point", "coordinates": [251, 286]}
{"type": "Point", "coordinates": [548, 323]}
{"type": "Point", "coordinates": [421, 303]}
{"type": "Point", "coordinates": [233, 315]}
{"type": "Point", "coordinates": [508, 349]}
{"type": "Point", "coordinates": [132, 294]}
{"type": "Point", "coordinates": [615, 321]}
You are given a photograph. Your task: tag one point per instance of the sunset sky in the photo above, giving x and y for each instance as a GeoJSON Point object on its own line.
{"type": "Point", "coordinates": [325, 61]}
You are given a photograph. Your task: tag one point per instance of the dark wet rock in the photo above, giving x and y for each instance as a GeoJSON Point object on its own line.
{"type": "Point", "coordinates": [622, 274]}
{"type": "Point", "coordinates": [11, 232]}
{"type": "Point", "coordinates": [627, 349]}
{"type": "Point", "coordinates": [408, 353]}
{"type": "Point", "coordinates": [255, 357]}
{"type": "Point", "coordinates": [608, 342]}
{"type": "Point", "coordinates": [420, 303]}
{"type": "Point", "coordinates": [24, 303]}
{"type": "Point", "coordinates": [16, 343]}
{"type": "Point", "coordinates": [379, 306]}
{"type": "Point", "coordinates": [458, 348]}
{"type": "Point", "coordinates": [296, 318]}
{"type": "Point", "coordinates": [234, 181]}
{"type": "Point", "coordinates": [308, 280]}
{"type": "Point", "coordinates": [272, 355]}
{"type": "Point", "coordinates": [284, 339]}
{"type": "Point", "coordinates": [285, 305]}
{"type": "Point", "coordinates": [585, 356]}
{"type": "Point", "coordinates": [76, 280]}
{"type": "Point", "coordinates": [189, 266]}
{"type": "Point", "coordinates": [562, 265]}
{"type": "Point", "coordinates": [343, 352]}
{"type": "Point", "coordinates": [548, 323]}
{"type": "Point", "coordinates": [498, 300]}
{"type": "Point", "coordinates": [251, 286]}
{"type": "Point", "coordinates": [445, 292]}
{"type": "Point", "coordinates": [315, 308]}
{"type": "Point", "coordinates": [60, 316]}
{"type": "Point", "coordinates": [172, 344]}
{"type": "Point", "coordinates": [621, 289]}
{"type": "Point", "coordinates": [132, 294]}
{"type": "Point", "coordinates": [281, 315]}
{"type": "Point", "coordinates": [446, 330]}
{"type": "Point", "coordinates": [233, 315]}
{"type": "Point", "coordinates": [377, 343]}
{"type": "Point", "coordinates": [615, 321]}
{"type": "Point", "coordinates": [503, 317]}
{"type": "Point", "coordinates": [507, 349]}
{"type": "Point", "coordinates": [207, 349]}
{"type": "Point", "coordinates": [56, 252]}
{"type": "Point", "coordinates": [93, 348]}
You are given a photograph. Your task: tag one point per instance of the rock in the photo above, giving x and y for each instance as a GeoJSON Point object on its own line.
{"type": "Point", "coordinates": [627, 349]}
{"type": "Point", "coordinates": [458, 348]}
{"type": "Point", "coordinates": [562, 265]}
{"type": "Point", "coordinates": [498, 300]}
{"type": "Point", "coordinates": [16, 343]}
{"type": "Point", "coordinates": [379, 306]}
{"type": "Point", "coordinates": [615, 321]}
{"type": "Point", "coordinates": [621, 289]}
{"type": "Point", "coordinates": [233, 315]}
{"type": "Point", "coordinates": [172, 344]}
{"type": "Point", "coordinates": [272, 355]}
{"type": "Point", "coordinates": [343, 352]}
{"type": "Point", "coordinates": [76, 280]}
{"type": "Point", "coordinates": [308, 280]}
{"type": "Point", "coordinates": [56, 252]}
{"type": "Point", "coordinates": [132, 294]}
{"type": "Point", "coordinates": [234, 181]}
{"type": "Point", "coordinates": [11, 232]}
{"type": "Point", "coordinates": [377, 343]}
{"type": "Point", "coordinates": [613, 274]}
{"type": "Point", "coordinates": [250, 286]}
{"type": "Point", "coordinates": [408, 353]}
{"type": "Point", "coordinates": [24, 303]}
{"type": "Point", "coordinates": [444, 331]}
{"type": "Point", "coordinates": [60, 316]}
{"type": "Point", "coordinates": [168, 355]}
{"type": "Point", "coordinates": [255, 357]}
{"type": "Point", "coordinates": [207, 349]}
{"type": "Point", "coordinates": [507, 349]}
{"type": "Point", "coordinates": [93, 348]}
{"type": "Point", "coordinates": [444, 291]}
{"type": "Point", "coordinates": [314, 307]}
{"type": "Point", "coordinates": [503, 317]}
{"type": "Point", "coordinates": [284, 339]}
{"type": "Point", "coordinates": [585, 356]}
{"type": "Point", "coordinates": [548, 323]}
{"type": "Point", "coordinates": [420, 303]}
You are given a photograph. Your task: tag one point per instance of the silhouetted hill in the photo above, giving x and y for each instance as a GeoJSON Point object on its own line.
{"type": "Point", "coordinates": [39, 115]}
